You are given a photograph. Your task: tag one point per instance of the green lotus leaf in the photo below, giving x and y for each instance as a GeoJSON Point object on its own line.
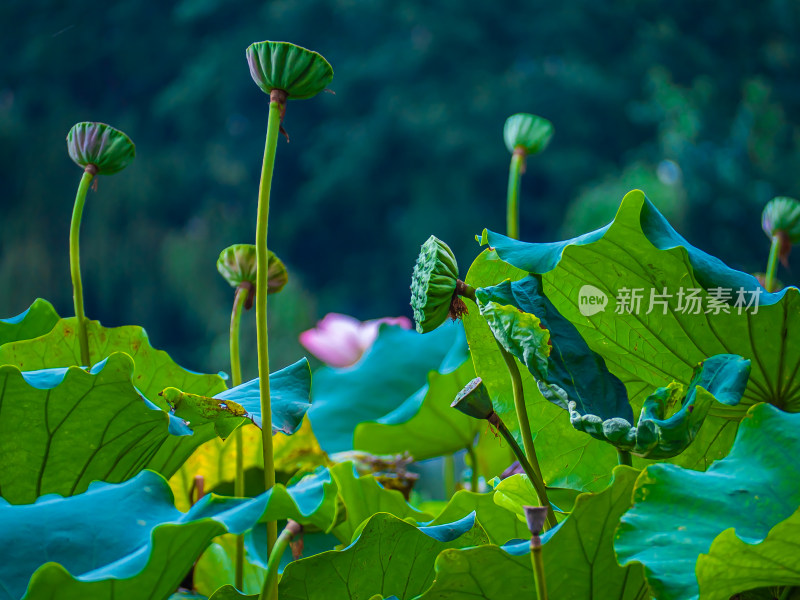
{"type": "Point", "coordinates": [782, 214]}
{"type": "Point", "coordinates": [528, 131]}
{"type": "Point", "coordinates": [389, 557]}
{"type": "Point", "coordinates": [237, 264]}
{"type": "Point", "coordinates": [154, 370]}
{"type": "Point", "coordinates": [433, 284]}
{"type": "Point", "coordinates": [290, 392]}
{"type": "Point", "coordinates": [516, 492]}
{"type": "Point", "coordinates": [283, 66]}
{"type": "Point", "coordinates": [228, 592]}
{"type": "Point", "coordinates": [639, 250]}
{"type": "Point", "coordinates": [127, 540]}
{"type": "Point", "coordinates": [363, 496]}
{"type": "Point", "coordinates": [40, 318]}
{"type": "Point", "coordinates": [568, 458]}
{"type": "Point", "coordinates": [424, 425]}
{"type": "Point", "coordinates": [500, 524]}
{"type": "Point", "coordinates": [100, 145]}
{"type": "Point", "coordinates": [389, 374]}
{"type": "Point", "coordinates": [60, 429]}
{"type": "Point", "coordinates": [678, 513]}
{"type": "Point", "coordinates": [734, 565]}
{"type": "Point", "coordinates": [578, 556]}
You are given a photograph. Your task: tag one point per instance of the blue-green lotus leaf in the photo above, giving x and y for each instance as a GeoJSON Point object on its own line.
{"type": "Point", "coordinates": [101, 145]}
{"type": "Point", "coordinates": [645, 349]}
{"type": "Point", "coordinates": [283, 66]}
{"type": "Point", "coordinates": [396, 367]}
{"type": "Point", "coordinates": [678, 513]}
{"type": "Point", "coordinates": [290, 392]}
{"type": "Point", "coordinates": [389, 557]}
{"type": "Point", "coordinates": [127, 540]}
{"type": "Point", "coordinates": [578, 556]}
{"type": "Point", "coordinates": [530, 132]}
{"type": "Point", "coordinates": [37, 320]}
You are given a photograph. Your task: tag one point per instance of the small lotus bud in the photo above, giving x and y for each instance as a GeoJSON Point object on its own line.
{"type": "Point", "coordinates": [474, 400]}
{"type": "Point", "coordinates": [527, 132]}
{"type": "Point", "coordinates": [237, 264]}
{"type": "Point", "coordinates": [283, 66]}
{"type": "Point", "coordinates": [100, 145]}
{"type": "Point", "coordinates": [536, 517]}
{"type": "Point", "coordinates": [433, 285]}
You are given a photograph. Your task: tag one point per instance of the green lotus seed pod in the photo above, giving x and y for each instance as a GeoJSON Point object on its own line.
{"type": "Point", "coordinates": [283, 66]}
{"type": "Point", "coordinates": [474, 400]}
{"type": "Point", "coordinates": [237, 264]}
{"type": "Point", "coordinates": [433, 284]}
{"type": "Point", "coordinates": [782, 214]}
{"type": "Point", "coordinates": [529, 132]}
{"type": "Point", "coordinates": [98, 144]}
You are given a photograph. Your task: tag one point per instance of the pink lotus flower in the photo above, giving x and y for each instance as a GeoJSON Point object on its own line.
{"type": "Point", "coordinates": [341, 340]}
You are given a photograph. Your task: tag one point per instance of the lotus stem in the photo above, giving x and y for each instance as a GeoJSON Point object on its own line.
{"type": "Point", "coordinates": [273, 562]}
{"type": "Point", "coordinates": [624, 458]}
{"type": "Point", "coordinates": [236, 379]}
{"type": "Point", "coordinates": [75, 261]}
{"type": "Point", "coordinates": [473, 459]}
{"type": "Point", "coordinates": [449, 467]}
{"type": "Point", "coordinates": [276, 105]}
{"type": "Point", "coordinates": [538, 567]}
{"type": "Point", "coordinates": [534, 477]}
{"type": "Point", "coordinates": [772, 263]}
{"type": "Point", "coordinates": [515, 171]}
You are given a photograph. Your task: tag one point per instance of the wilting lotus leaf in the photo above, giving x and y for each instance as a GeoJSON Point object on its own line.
{"type": "Point", "coordinates": [367, 567]}
{"type": "Point", "coordinates": [237, 264]}
{"type": "Point", "coordinates": [678, 513]}
{"type": "Point", "coordinates": [40, 318]}
{"type": "Point", "coordinates": [127, 540]}
{"type": "Point", "coordinates": [571, 375]}
{"type": "Point", "coordinates": [528, 131]}
{"type": "Point", "coordinates": [433, 284]}
{"type": "Point", "coordinates": [290, 392]}
{"type": "Point", "coordinates": [283, 66]}
{"type": "Point", "coordinates": [100, 145]}
{"type": "Point", "coordinates": [645, 348]}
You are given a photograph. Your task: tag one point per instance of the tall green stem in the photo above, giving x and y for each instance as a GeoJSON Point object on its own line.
{"type": "Point", "coordinates": [75, 261]}
{"type": "Point", "coordinates": [473, 458]}
{"type": "Point", "coordinates": [533, 476]}
{"type": "Point", "coordinates": [772, 263]}
{"type": "Point", "coordinates": [276, 104]}
{"type": "Point", "coordinates": [236, 379]}
{"type": "Point", "coordinates": [538, 567]}
{"type": "Point", "coordinates": [512, 202]}
{"type": "Point", "coordinates": [273, 562]}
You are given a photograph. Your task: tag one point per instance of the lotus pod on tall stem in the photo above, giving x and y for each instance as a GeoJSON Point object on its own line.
{"type": "Point", "coordinates": [524, 134]}
{"type": "Point", "coordinates": [284, 71]}
{"type": "Point", "coordinates": [100, 150]}
{"type": "Point", "coordinates": [780, 220]}
{"type": "Point", "coordinates": [237, 264]}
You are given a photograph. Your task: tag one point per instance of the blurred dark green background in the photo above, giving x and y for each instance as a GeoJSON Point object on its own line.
{"type": "Point", "coordinates": [697, 103]}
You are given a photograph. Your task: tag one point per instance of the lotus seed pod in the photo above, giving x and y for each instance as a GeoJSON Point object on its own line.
{"type": "Point", "coordinates": [283, 66]}
{"type": "Point", "coordinates": [433, 284]}
{"type": "Point", "coordinates": [98, 144]}
{"type": "Point", "coordinates": [782, 214]}
{"type": "Point", "coordinates": [536, 517]}
{"type": "Point", "coordinates": [529, 132]}
{"type": "Point", "coordinates": [237, 264]}
{"type": "Point", "coordinates": [474, 400]}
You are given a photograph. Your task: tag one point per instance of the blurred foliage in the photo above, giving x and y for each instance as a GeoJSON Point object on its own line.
{"type": "Point", "coordinates": [697, 104]}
